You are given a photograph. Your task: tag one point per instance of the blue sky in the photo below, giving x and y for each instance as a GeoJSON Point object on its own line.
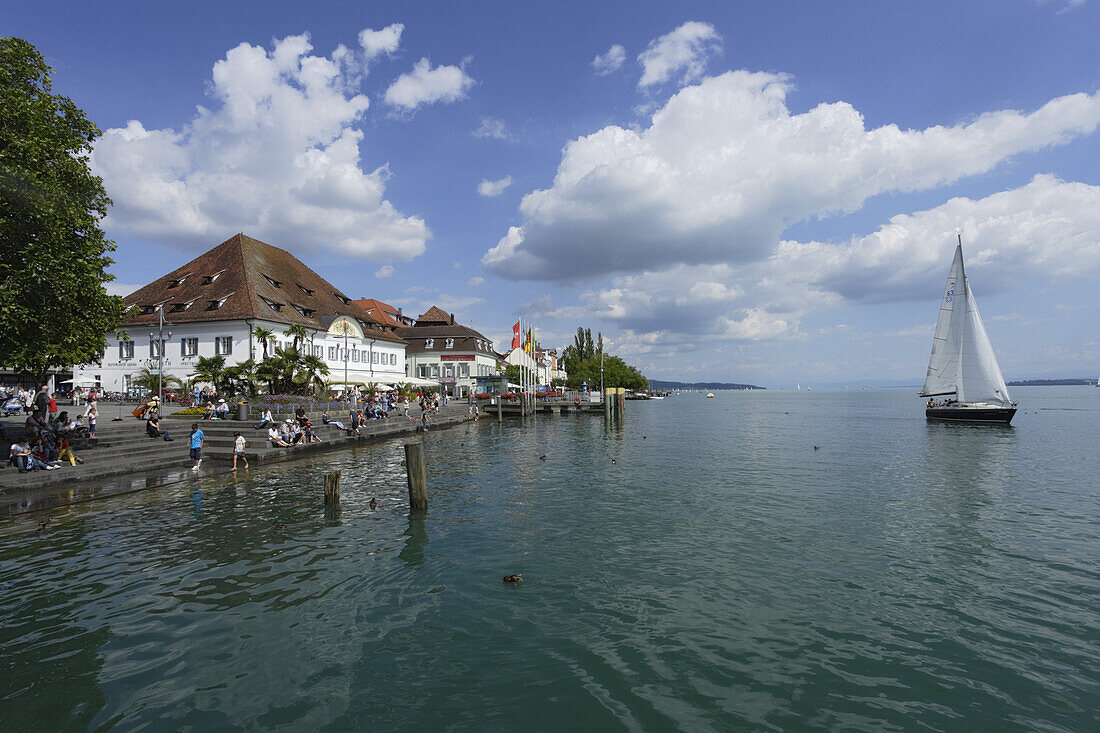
{"type": "Point", "coordinates": [752, 192]}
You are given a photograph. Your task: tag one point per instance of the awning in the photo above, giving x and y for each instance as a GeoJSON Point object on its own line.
{"type": "Point", "coordinates": [418, 382]}
{"type": "Point", "coordinates": [81, 382]}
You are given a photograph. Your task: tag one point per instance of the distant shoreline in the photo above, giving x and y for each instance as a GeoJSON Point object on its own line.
{"type": "Point", "coordinates": [660, 384]}
{"type": "Point", "coordinates": [1050, 382]}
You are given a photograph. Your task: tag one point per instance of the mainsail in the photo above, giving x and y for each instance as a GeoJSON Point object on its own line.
{"type": "Point", "coordinates": [962, 361]}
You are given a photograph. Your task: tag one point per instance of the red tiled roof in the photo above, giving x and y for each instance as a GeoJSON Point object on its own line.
{"type": "Point", "coordinates": [244, 278]}
{"type": "Point", "coordinates": [435, 315]}
{"type": "Point", "coordinates": [382, 311]}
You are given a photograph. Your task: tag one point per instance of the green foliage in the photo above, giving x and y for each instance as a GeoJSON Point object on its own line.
{"type": "Point", "coordinates": [149, 381]}
{"type": "Point", "coordinates": [210, 369]}
{"type": "Point", "coordinates": [514, 373]}
{"type": "Point", "coordinates": [292, 372]}
{"type": "Point", "coordinates": [262, 335]}
{"type": "Point", "coordinates": [581, 361]}
{"type": "Point", "coordinates": [54, 309]}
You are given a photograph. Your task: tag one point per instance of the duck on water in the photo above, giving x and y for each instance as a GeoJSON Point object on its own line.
{"type": "Point", "coordinates": [963, 368]}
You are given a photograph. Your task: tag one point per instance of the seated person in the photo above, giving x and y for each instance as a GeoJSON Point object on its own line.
{"type": "Point", "coordinates": [300, 416]}
{"type": "Point", "coordinates": [326, 420]}
{"type": "Point", "coordinates": [36, 424]}
{"type": "Point", "coordinates": [152, 428]}
{"type": "Point", "coordinates": [287, 432]}
{"type": "Point", "coordinates": [310, 436]}
{"type": "Point", "coordinates": [45, 452]}
{"type": "Point", "coordinates": [65, 453]}
{"type": "Point", "coordinates": [296, 434]}
{"type": "Point", "coordinates": [265, 419]}
{"type": "Point", "coordinates": [222, 410]}
{"type": "Point", "coordinates": [275, 438]}
{"type": "Point", "coordinates": [208, 411]}
{"type": "Point", "coordinates": [21, 455]}
{"type": "Point", "coordinates": [63, 424]}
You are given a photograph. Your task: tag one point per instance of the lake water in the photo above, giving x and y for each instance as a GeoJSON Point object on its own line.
{"type": "Point", "coordinates": [699, 566]}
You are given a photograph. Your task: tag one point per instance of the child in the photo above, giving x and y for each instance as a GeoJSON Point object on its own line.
{"type": "Point", "coordinates": [238, 450]}
{"type": "Point", "coordinates": [197, 438]}
{"type": "Point", "coordinates": [91, 413]}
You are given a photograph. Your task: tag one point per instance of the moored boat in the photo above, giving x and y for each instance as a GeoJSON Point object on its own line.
{"type": "Point", "coordinates": [963, 368]}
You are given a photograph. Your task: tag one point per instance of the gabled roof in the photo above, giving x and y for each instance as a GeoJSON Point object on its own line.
{"type": "Point", "coordinates": [244, 278]}
{"type": "Point", "coordinates": [384, 312]}
{"type": "Point", "coordinates": [435, 316]}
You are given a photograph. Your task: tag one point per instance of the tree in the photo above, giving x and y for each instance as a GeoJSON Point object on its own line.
{"type": "Point", "coordinates": [581, 361]}
{"type": "Point", "coordinates": [210, 369]}
{"type": "Point", "coordinates": [298, 333]}
{"type": "Point", "coordinates": [54, 309]}
{"type": "Point", "coordinates": [262, 335]}
{"type": "Point", "coordinates": [148, 380]}
{"type": "Point", "coordinates": [241, 378]}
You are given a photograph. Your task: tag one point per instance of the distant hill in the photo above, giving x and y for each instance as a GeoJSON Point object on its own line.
{"type": "Point", "coordinates": [658, 384]}
{"type": "Point", "coordinates": [1049, 382]}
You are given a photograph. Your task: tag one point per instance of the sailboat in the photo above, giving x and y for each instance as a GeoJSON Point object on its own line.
{"type": "Point", "coordinates": [963, 366]}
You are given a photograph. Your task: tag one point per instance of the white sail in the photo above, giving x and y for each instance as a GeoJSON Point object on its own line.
{"type": "Point", "coordinates": [962, 361]}
{"type": "Point", "coordinates": [943, 365]}
{"type": "Point", "coordinates": [980, 378]}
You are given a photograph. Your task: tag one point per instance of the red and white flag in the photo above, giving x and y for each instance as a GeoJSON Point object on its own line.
{"type": "Point", "coordinates": [515, 336]}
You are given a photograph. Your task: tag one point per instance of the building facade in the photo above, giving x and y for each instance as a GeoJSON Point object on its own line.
{"type": "Point", "coordinates": [445, 351]}
{"type": "Point", "coordinates": [216, 304]}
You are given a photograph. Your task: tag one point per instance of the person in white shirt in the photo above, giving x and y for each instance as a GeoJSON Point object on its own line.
{"type": "Point", "coordinates": [238, 450]}
{"type": "Point", "coordinates": [276, 439]}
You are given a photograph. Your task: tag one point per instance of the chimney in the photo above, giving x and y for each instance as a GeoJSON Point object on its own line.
{"type": "Point", "coordinates": [452, 319]}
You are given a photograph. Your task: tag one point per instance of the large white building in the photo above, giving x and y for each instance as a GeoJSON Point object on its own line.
{"type": "Point", "coordinates": [214, 305]}
{"type": "Point", "coordinates": [447, 352]}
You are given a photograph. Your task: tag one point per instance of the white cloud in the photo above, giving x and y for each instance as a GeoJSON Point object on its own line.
{"type": "Point", "coordinates": [386, 41]}
{"type": "Point", "coordinates": [685, 49]}
{"type": "Point", "coordinates": [1044, 232]}
{"type": "Point", "coordinates": [425, 85]}
{"type": "Point", "coordinates": [454, 303]}
{"type": "Point", "coordinates": [383, 272]}
{"type": "Point", "coordinates": [492, 129]}
{"type": "Point", "coordinates": [276, 156]}
{"type": "Point", "coordinates": [724, 168]}
{"type": "Point", "coordinates": [475, 282]}
{"type": "Point", "coordinates": [609, 62]}
{"type": "Point", "coordinates": [116, 288]}
{"type": "Point", "coordinates": [493, 188]}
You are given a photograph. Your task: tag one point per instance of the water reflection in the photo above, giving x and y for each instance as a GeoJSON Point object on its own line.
{"type": "Point", "coordinates": [417, 533]}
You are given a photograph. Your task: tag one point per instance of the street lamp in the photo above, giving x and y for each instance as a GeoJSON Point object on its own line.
{"type": "Point", "coordinates": [160, 353]}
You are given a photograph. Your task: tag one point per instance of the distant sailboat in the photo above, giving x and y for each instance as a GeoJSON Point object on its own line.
{"type": "Point", "coordinates": [963, 365]}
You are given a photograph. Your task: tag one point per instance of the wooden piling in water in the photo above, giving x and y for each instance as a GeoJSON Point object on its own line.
{"type": "Point", "coordinates": [332, 489]}
{"type": "Point", "coordinates": [417, 477]}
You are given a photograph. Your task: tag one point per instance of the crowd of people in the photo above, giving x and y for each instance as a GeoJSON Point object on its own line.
{"type": "Point", "coordinates": [45, 443]}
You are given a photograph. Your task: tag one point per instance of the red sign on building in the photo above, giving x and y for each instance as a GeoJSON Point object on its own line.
{"type": "Point", "coordinates": [456, 357]}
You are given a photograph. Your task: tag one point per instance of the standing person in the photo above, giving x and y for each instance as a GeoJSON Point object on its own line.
{"type": "Point", "coordinates": [197, 439]}
{"type": "Point", "coordinates": [51, 404]}
{"type": "Point", "coordinates": [238, 450]}
{"type": "Point", "coordinates": [42, 401]}
{"type": "Point", "coordinates": [91, 413]}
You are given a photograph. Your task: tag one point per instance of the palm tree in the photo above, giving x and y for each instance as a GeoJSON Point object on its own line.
{"type": "Point", "coordinates": [210, 369]}
{"type": "Point", "coordinates": [313, 369]}
{"type": "Point", "coordinates": [242, 377]}
{"type": "Point", "coordinates": [263, 334]}
{"type": "Point", "coordinates": [298, 333]}
{"type": "Point", "coordinates": [148, 380]}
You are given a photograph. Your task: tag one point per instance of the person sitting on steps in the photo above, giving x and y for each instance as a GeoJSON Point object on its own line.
{"type": "Point", "coordinates": [152, 429]}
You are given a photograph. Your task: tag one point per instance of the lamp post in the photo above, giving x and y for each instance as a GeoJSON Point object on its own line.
{"type": "Point", "coordinates": [160, 353]}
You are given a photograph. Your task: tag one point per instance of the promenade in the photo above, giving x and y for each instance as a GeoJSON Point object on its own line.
{"type": "Point", "coordinates": [124, 459]}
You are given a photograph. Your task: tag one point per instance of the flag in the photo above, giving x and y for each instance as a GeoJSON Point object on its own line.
{"type": "Point", "coordinates": [515, 336]}
{"type": "Point", "coordinates": [529, 345]}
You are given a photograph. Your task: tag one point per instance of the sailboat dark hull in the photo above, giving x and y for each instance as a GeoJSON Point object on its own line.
{"type": "Point", "coordinates": [1000, 415]}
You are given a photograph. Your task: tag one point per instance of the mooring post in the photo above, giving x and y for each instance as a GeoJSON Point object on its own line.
{"type": "Point", "coordinates": [500, 409]}
{"type": "Point", "coordinates": [332, 489]}
{"type": "Point", "coordinates": [417, 477]}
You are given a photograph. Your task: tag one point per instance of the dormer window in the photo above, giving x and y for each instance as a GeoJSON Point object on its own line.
{"type": "Point", "coordinates": [177, 283]}
{"type": "Point", "coordinates": [343, 299]}
{"type": "Point", "coordinates": [148, 310]}
{"type": "Point", "coordinates": [209, 279]}
{"type": "Point", "coordinates": [429, 343]}
{"type": "Point", "coordinates": [277, 307]}
{"type": "Point", "coordinates": [180, 307]}
{"type": "Point", "coordinates": [217, 304]}
{"type": "Point", "coordinates": [449, 344]}
{"type": "Point", "coordinates": [306, 312]}
{"type": "Point", "coordinates": [273, 281]}
{"type": "Point", "coordinates": [305, 290]}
